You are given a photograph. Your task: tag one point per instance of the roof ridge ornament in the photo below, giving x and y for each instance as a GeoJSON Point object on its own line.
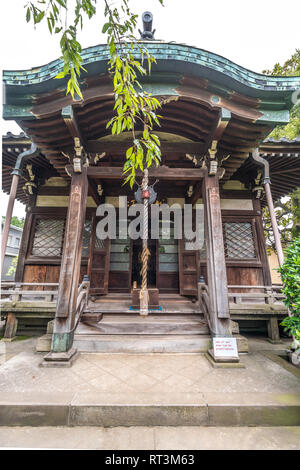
{"type": "Point", "coordinates": [147, 33]}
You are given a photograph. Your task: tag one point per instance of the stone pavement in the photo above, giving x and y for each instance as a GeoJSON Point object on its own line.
{"type": "Point", "coordinates": [152, 438]}
{"type": "Point", "coordinates": [147, 389]}
{"type": "Point", "coordinates": [146, 373]}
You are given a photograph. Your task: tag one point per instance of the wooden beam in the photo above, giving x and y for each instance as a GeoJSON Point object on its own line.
{"type": "Point", "coordinates": [217, 129]}
{"type": "Point", "coordinates": [162, 172]}
{"type": "Point", "coordinates": [72, 124]}
{"type": "Point", "coordinates": [94, 193]}
{"type": "Point", "coordinates": [196, 194]}
{"type": "Point", "coordinates": [96, 146]}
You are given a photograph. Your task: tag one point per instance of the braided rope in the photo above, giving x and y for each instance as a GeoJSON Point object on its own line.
{"type": "Point", "coordinates": [145, 252]}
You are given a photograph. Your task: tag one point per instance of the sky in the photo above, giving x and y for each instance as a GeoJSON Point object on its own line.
{"type": "Point", "coordinates": [254, 34]}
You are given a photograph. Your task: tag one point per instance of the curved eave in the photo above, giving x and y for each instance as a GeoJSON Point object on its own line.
{"type": "Point", "coordinates": [284, 164]}
{"type": "Point", "coordinates": [12, 146]}
{"type": "Point", "coordinates": [173, 58]}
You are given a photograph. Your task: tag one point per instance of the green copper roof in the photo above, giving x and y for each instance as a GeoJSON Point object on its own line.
{"type": "Point", "coordinates": [177, 59]}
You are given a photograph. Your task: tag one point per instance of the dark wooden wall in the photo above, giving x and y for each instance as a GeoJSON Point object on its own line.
{"type": "Point", "coordinates": [40, 269]}
{"type": "Point", "coordinates": [241, 271]}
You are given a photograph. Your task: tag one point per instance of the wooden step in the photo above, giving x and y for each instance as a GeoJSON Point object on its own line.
{"type": "Point", "coordinates": [136, 325]}
{"type": "Point", "coordinates": [181, 308]}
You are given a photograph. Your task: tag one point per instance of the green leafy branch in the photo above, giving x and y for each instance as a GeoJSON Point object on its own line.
{"type": "Point", "coordinates": [133, 106]}
{"type": "Point", "coordinates": [55, 12]}
{"type": "Point", "coordinates": [291, 67]}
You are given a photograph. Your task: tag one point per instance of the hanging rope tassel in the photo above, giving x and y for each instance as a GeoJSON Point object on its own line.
{"type": "Point", "coordinates": [144, 296]}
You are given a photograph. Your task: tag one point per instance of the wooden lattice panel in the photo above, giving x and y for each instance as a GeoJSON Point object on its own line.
{"type": "Point", "coordinates": [48, 237]}
{"type": "Point", "coordinates": [99, 244]}
{"type": "Point", "coordinates": [238, 239]}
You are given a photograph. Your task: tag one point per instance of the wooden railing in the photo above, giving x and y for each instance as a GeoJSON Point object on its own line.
{"type": "Point", "coordinates": [204, 301]}
{"type": "Point", "coordinates": [250, 303]}
{"type": "Point", "coordinates": [239, 295]}
{"type": "Point", "coordinates": [263, 294]}
{"type": "Point", "coordinates": [18, 298]}
{"type": "Point", "coordinates": [39, 292]}
{"type": "Point", "coordinates": [29, 291]}
{"type": "Point", "coordinates": [82, 301]}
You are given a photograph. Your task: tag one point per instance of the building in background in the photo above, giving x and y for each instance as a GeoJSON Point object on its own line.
{"type": "Point", "coordinates": [12, 251]}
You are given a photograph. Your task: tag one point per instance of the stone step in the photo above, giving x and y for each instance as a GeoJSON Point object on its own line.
{"type": "Point", "coordinates": [142, 409]}
{"type": "Point", "coordinates": [142, 343]}
{"type": "Point", "coordinates": [149, 343]}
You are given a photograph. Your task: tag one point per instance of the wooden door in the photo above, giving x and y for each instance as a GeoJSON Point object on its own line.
{"type": "Point", "coordinates": [188, 269]}
{"type": "Point", "coordinates": [120, 265]}
{"type": "Point", "coordinates": [188, 261]}
{"type": "Point", "coordinates": [167, 277]}
{"type": "Point", "coordinates": [98, 262]}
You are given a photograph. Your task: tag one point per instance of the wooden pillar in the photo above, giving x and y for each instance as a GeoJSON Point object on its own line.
{"type": "Point", "coordinates": [274, 224]}
{"type": "Point", "coordinates": [10, 327]}
{"type": "Point", "coordinates": [261, 242]}
{"type": "Point", "coordinates": [215, 255]}
{"type": "Point", "coordinates": [63, 333]}
{"type": "Point", "coordinates": [25, 240]}
{"type": "Point", "coordinates": [9, 211]}
{"type": "Point", "coordinates": [273, 330]}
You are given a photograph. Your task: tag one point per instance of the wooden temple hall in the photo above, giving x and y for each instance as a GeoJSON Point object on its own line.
{"type": "Point", "coordinates": [82, 292]}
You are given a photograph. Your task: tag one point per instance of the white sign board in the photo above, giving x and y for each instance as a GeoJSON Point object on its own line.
{"type": "Point", "coordinates": [225, 347]}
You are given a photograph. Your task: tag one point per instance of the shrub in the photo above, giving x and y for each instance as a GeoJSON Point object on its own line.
{"type": "Point", "coordinates": [290, 275]}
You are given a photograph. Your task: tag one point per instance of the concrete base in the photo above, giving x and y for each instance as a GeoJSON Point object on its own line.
{"type": "Point", "coordinates": [223, 358]}
{"type": "Point", "coordinates": [60, 359]}
{"type": "Point", "coordinates": [43, 343]}
{"type": "Point", "coordinates": [223, 363]}
{"type": "Point", "coordinates": [9, 340]}
{"type": "Point", "coordinates": [50, 327]}
{"type": "Point", "coordinates": [274, 341]}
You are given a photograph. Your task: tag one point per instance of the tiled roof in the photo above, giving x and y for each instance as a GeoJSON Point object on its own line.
{"type": "Point", "coordinates": [95, 59]}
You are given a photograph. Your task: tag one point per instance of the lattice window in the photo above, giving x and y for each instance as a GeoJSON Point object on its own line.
{"type": "Point", "coordinates": [48, 237]}
{"type": "Point", "coordinates": [86, 238]}
{"type": "Point", "coordinates": [239, 241]}
{"type": "Point", "coordinates": [99, 243]}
